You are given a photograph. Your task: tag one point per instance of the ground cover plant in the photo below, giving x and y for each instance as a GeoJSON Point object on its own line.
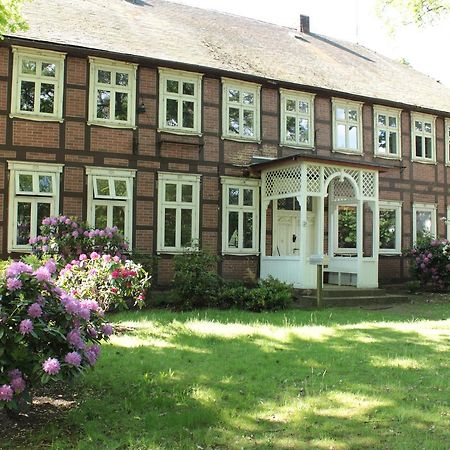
{"type": "Point", "coordinates": [329, 379]}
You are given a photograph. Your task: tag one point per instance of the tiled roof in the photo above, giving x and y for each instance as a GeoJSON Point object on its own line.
{"type": "Point", "coordinates": [184, 34]}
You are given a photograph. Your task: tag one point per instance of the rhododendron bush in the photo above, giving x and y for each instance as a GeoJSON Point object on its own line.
{"type": "Point", "coordinates": [113, 282]}
{"type": "Point", "coordinates": [45, 333]}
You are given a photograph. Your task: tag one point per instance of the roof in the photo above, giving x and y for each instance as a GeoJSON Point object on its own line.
{"type": "Point", "coordinates": [184, 34]}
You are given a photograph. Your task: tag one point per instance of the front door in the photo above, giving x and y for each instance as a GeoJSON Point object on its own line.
{"type": "Point", "coordinates": [286, 233]}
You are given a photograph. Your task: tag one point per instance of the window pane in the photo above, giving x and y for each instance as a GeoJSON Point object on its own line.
{"type": "Point", "coordinates": [25, 183]}
{"type": "Point", "coordinates": [188, 114]}
{"type": "Point", "coordinates": [233, 196]}
{"type": "Point", "coordinates": [248, 123]}
{"type": "Point", "coordinates": [186, 227]}
{"type": "Point", "coordinates": [427, 127]}
{"type": "Point", "coordinates": [387, 229]}
{"type": "Point", "coordinates": [393, 143]}
{"type": "Point", "coordinates": [171, 192]}
{"type": "Point", "coordinates": [382, 141]}
{"type": "Point", "coordinates": [121, 79]}
{"type": "Point", "coordinates": [120, 186]}
{"type": "Point", "coordinates": [23, 223]}
{"type": "Point", "coordinates": [28, 67]}
{"type": "Point", "coordinates": [352, 115]}
{"type": "Point", "coordinates": [104, 76]}
{"type": "Point", "coordinates": [340, 113]}
{"type": "Point", "coordinates": [353, 137]}
{"type": "Point", "coordinates": [48, 69]}
{"type": "Point", "coordinates": [45, 184]}
{"type": "Point", "coordinates": [172, 86]}
{"type": "Point", "coordinates": [340, 135]}
{"type": "Point", "coordinates": [381, 119]}
{"type": "Point", "coordinates": [43, 211]}
{"type": "Point", "coordinates": [119, 218]}
{"type": "Point", "coordinates": [47, 98]}
{"type": "Point", "coordinates": [233, 120]}
{"type": "Point", "coordinates": [27, 96]}
{"type": "Point", "coordinates": [169, 227]}
{"type": "Point", "coordinates": [172, 113]}
{"type": "Point", "coordinates": [188, 88]}
{"type": "Point", "coordinates": [428, 148]}
{"type": "Point", "coordinates": [290, 105]}
{"type": "Point", "coordinates": [233, 95]}
{"type": "Point", "coordinates": [303, 106]}
{"type": "Point", "coordinates": [303, 130]}
{"type": "Point", "coordinates": [103, 186]}
{"type": "Point", "coordinates": [393, 122]}
{"type": "Point", "coordinates": [419, 149]}
{"type": "Point", "coordinates": [121, 106]}
{"type": "Point", "coordinates": [347, 227]}
{"type": "Point", "coordinates": [248, 98]}
{"type": "Point", "coordinates": [186, 193]}
{"type": "Point", "coordinates": [103, 104]}
{"type": "Point", "coordinates": [248, 197]}
{"type": "Point", "coordinates": [423, 223]}
{"type": "Point", "coordinates": [233, 229]}
{"type": "Point", "coordinates": [418, 125]}
{"type": "Point", "coordinates": [101, 216]}
{"type": "Point", "coordinates": [248, 230]}
{"type": "Point", "coordinates": [290, 128]}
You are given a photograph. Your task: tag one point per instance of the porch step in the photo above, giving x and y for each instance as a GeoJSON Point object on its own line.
{"type": "Point", "coordinates": [341, 291]}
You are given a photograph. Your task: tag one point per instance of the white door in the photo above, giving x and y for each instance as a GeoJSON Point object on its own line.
{"type": "Point", "coordinates": [286, 239]}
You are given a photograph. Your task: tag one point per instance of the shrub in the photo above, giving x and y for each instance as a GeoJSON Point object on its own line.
{"type": "Point", "coordinates": [114, 283]}
{"type": "Point", "coordinates": [45, 333]}
{"type": "Point", "coordinates": [67, 238]}
{"type": "Point", "coordinates": [195, 278]}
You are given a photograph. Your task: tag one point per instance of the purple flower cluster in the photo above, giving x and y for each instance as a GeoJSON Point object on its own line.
{"type": "Point", "coordinates": [6, 393]}
{"type": "Point", "coordinates": [73, 359]}
{"type": "Point", "coordinates": [26, 326]}
{"type": "Point", "coordinates": [17, 381]}
{"type": "Point", "coordinates": [51, 366]}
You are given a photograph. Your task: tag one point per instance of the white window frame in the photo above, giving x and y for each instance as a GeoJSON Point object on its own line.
{"type": "Point", "coordinates": [17, 168]}
{"type": "Point", "coordinates": [241, 184]}
{"type": "Point", "coordinates": [178, 179]}
{"type": "Point", "coordinates": [96, 64]}
{"type": "Point", "coordinates": [423, 118]}
{"type": "Point", "coordinates": [296, 96]}
{"type": "Point", "coordinates": [182, 77]}
{"type": "Point", "coordinates": [40, 56]}
{"type": "Point", "coordinates": [347, 105]}
{"type": "Point", "coordinates": [397, 207]}
{"type": "Point", "coordinates": [447, 222]}
{"type": "Point", "coordinates": [424, 207]}
{"type": "Point", "coordinates": [251, 88]}
{"type": "Point", "coordinates": [388, 112]}
{"type": "Point", "coordinates": [447, 141]}
{"type": "Point", "coordinates": [93, 199]}
{"type": "Point", "coordinates": [335, 224]}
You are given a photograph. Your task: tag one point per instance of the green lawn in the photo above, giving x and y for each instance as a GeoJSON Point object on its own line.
{"type": "Point", "coordinates": [333, 379]}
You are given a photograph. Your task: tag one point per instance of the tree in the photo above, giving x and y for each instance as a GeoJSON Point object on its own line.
{"type": "Point", "coordinates": [419, 12]}
{"type": "Point", "coordinates": [11, 19]}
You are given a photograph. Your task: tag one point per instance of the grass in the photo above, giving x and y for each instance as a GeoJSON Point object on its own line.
{"type": "Point", "coordinates": [331, 379]}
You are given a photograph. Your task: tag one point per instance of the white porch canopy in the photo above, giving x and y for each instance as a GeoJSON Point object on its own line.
{"type": "Point", "coordinates": [316, 186]}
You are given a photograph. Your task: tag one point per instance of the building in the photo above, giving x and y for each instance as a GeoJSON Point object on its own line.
{"type": "Point", "coordinates": [265, 144]}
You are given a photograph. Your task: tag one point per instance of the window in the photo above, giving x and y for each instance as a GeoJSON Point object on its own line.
{"type": "Point", "coordinates": [347, 126]}
{"type": "Point", "coordinates": [33, 195]}
{"type": "Point", "coordinates": [447, 141]}
{"type": "Point", "coordinates": [387, 132]}
{"type": "Point", "coordinates": [241, 110]}
{"type": "Point", "coordinates": [240, 200]}
{"type": "Point", "coordinates": [346, 229]}
{"type": "Point", "coordinates": [38, 80]}
{"type": "Point", "coordinates": [390, 227]}
{"type": "Point", "coordinates": [178, 211]}
{"type": "Point", "coordinates": [424, 220]}
{"type": "Point", "coordinates": [423, 137]}
{"type": "Point", "coordinates": [297, 118]}
{"type": "Point", "coordinates": [180, 101]}
{"type": "Point", "coordinates": [112, 93]}
{"type": "Point", "coordinates": [110, 199]}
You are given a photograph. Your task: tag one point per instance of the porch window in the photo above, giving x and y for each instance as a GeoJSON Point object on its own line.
{"type": "Point", "coordinates": [424, 220]}
{"type": "Point", "coordinates": [178, 211]}
{"type": "Point", "coordinates": [241, 110]}
{"type": "Point", "coordinates": [387, 132]}
{"type": "Point", "coordinates": [347, 126]}
{"type": "Point", "coordinates": [38, 83]}
{"type": "Point", "coordinates": [112, 93]}
{"type": "Point", "coordinates": [240, 205]}
{"type": "Point", "coordinates": [297, 118]}
{"type": "Point", "coordinates": [34, 195]}
{"type": "Point", "coordinates": [390, 227]}
{"type": "Point", "coordinates": [346, 229]}
{"type": "Point", "coordinates": [423, 137]}
{"type": "Point", "coordinates": [110, 199]}
{"type": "Point", "coordinates": [180, 101]}
{"type": "Point", "coordinates": [447, 141]}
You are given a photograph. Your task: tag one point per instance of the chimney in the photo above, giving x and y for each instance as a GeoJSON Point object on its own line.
{"type": "Point", "coordinates": [304, 24]}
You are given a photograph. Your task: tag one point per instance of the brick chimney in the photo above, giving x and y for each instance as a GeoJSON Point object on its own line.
{"type": "Point", "coordinates": [304, 24]}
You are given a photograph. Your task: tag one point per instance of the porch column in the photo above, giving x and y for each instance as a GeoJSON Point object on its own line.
{"type": "Point", "coordinates": [359, 228]}
{"type": "Point", "coordinates": [264, 206]}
